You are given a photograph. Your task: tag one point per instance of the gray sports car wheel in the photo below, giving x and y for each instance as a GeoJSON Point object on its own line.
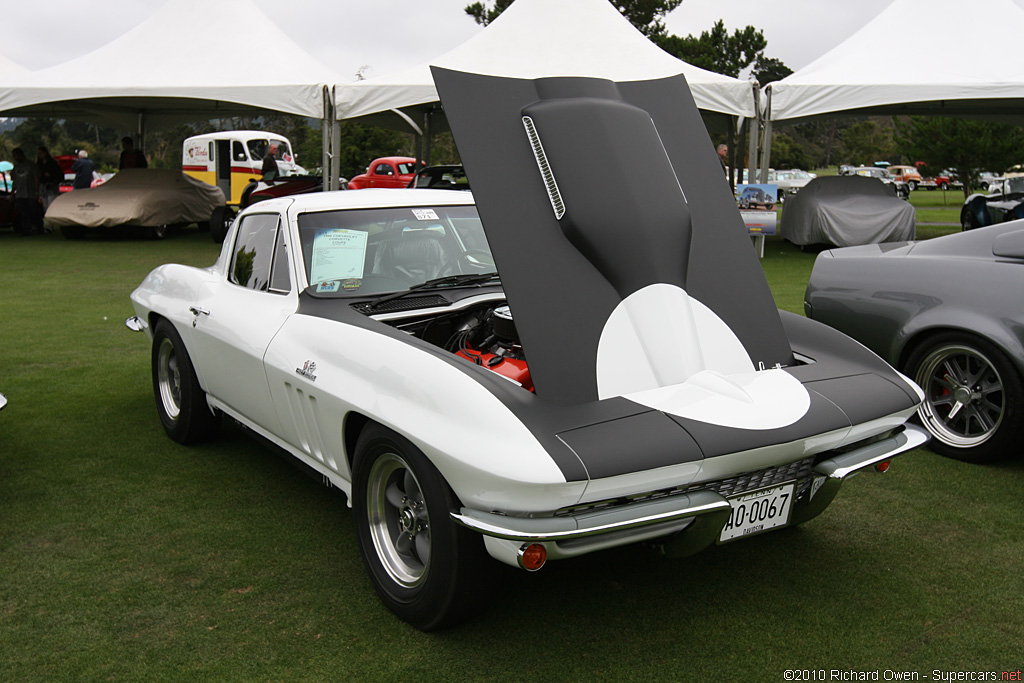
{"type": "Point", "coordinates": [967, 221]}
{"type": "Point", "coordinates": [973, 397]}
{"type": "Point", "coordinates": [424, 567]}
{"type": "Point", "coordinates": [180, 401]}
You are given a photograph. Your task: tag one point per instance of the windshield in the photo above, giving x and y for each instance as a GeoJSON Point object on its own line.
{"type": "Point", "coordinates": [373, 251]}
{"type": "Point", "coordinates": [258, 149]}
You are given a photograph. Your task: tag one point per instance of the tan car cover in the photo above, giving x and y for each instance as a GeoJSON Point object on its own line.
{"type": "Point", "coordinates": [148, 197]}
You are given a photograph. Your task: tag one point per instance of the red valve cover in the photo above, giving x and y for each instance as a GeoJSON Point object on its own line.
{"type": "Point", "coordinates": [512, 368]}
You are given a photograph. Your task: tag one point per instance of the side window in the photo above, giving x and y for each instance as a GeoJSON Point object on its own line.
{"type": "Point", "coordinates": [211, 150]}
{"type": "Point", "coordinates": [238, 151]}
{"type": "Point", "coordinates": [384, 169]}
{"type": "Point", "coordinates": [280, 283]}
{"type": "Point", "coordinates": [253, 255]}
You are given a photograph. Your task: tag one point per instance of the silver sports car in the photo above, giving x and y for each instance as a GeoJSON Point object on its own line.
{"type": "Point", "coordinates": [947, 312]}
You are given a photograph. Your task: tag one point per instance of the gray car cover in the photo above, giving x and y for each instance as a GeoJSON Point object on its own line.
{"type": "Point", "coordinates": [148, 197]}
{"type": "Point", "coordinates": [844, 211]}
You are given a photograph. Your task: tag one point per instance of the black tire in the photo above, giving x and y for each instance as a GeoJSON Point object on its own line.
{"type": "Point", "coordinates": [180, 401]}
{"type": "Point", "coordinates": [425, 568]}
{"type": "Point", "coordinates": [72, 232]}
{"type": "Point", "coordinates": [220, 221]}
{"type": "Point", "coordinates": [967, 221]}
{"type": "Point", "coordinates": [158, 232]}
{"type": "Point", "coordinates": [974, 397]}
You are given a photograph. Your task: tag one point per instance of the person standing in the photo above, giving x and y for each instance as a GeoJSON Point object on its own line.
{"type": "Point", "coordinates": [28, 216]}
{"type": "Point", "coordinates": [723, 156]}
{"type": "Point", "coordinates": [270, 169]}
{"type": "Point", "coordinates": [50, 175]}
{"type": "Point", "coordinates": [83, 169]}
{"type": "Point", "coordinates": [131, 157]}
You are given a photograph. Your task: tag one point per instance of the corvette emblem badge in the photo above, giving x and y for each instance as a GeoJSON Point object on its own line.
{"type": "Point", "coordinates": [307, 370]}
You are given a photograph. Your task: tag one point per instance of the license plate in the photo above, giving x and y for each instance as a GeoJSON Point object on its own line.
{"type": "Point", "coordinates": [758, 511]}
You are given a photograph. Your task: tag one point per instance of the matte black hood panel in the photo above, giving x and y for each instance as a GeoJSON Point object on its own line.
{"type": "Point", "coordinates": [644, 199]}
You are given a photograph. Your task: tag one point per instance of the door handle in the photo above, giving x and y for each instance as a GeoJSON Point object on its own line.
{"type": "Point", "coordinates": [196, 312]}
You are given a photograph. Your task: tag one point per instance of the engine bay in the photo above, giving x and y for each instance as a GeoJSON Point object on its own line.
{"type": "Point", "coordinates": [484, 335]}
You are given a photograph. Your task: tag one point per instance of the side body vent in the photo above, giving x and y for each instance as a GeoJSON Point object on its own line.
{"type": "Point", "coordinates": [545, 169]}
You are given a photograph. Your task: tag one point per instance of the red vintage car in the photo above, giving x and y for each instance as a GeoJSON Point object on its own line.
{"type": "Point", "coordinates": [385, 172]}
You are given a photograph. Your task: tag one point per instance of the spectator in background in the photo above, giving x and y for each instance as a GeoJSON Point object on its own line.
{"type": "Point", "coordinates": [50, 175]}
{"type": "Point", "coordinates": [723, 156]}
{"type": "Point", "coordinates": [83, 169]}
{"type": "Point", "coordinates": [131, 157]}
{"type": "Point", "coordinates": [28, 214]}
{"type": "Point", "coordinates": [270, 169]}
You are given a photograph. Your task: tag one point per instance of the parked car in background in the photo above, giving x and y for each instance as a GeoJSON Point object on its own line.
{"type": "Point", "coordinates": [899, 188]}
{"type": "Point", "coordinates": [155, 200]}
{"type": "Point", "coordinates": [906, 174]}
{"type": "Point", "coordinates": [370, 336]}
{"type": "Point", "coordinates": [938, 182]}
{"type": "Point", "coordinates": [847, 210]}
{"type": "Point", "coordinates": [987, 179]}
{"type": "Point", "coordinates": [960, 338]}
{"type": "Point", "coordinates": [395, 172]}
{"type": "Point", "coordinates": [789, 182]}
{"type": "Point", "coordinates": [445, 177]}
{"type": "Point", "coordinates": [846, 169]}
{"type": "Point", "coordinates": [1003, 202]}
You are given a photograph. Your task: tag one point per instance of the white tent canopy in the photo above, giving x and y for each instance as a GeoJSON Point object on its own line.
{"type": "Point", "coordinates": [181, 64]}
{"type": "Point", "coordinates": [875, 71]}
{"type": "Point", "coordinates": [10, 69]}
{"type": "Point", "coordinates": [538, 38]}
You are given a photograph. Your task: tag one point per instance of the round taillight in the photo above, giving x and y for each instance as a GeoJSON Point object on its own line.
{"type": "Point", "coordinates": [532, 557]}
{"type": "Point", "coordinates": [882, 466]}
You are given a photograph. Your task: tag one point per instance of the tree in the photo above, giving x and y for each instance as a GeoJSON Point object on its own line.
{"type": "Point", "coordinates": [870, 140]}
{"type": "Point", "coordinates": [768, 70]}
{"type": "Point", "coordinates": [646, 15]}
{"type": "Point", "coordinates": [788, 153]}
{"type": "Point", "coordinates": [716, 50]}
{"type": "Point", "coordinates": [967, 145]}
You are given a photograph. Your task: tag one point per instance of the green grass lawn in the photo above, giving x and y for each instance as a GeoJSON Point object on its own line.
{"type": "Point", "coordinates": [127, 557]}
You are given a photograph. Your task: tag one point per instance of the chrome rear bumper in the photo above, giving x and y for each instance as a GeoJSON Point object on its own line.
{"type": "Point", "coordinates": [694, 519]}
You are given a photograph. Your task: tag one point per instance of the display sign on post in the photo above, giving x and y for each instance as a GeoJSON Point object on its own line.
{"type": "Point", "coordinates": [757, 206]}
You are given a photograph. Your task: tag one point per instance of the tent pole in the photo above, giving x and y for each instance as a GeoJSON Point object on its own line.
{"type": "Point", "coordinates": [731, 156]}
{"type": "Point", "coordinates": [428, 134]}
{"type": "Point", "coordinates": [741, 131]}
{"type": "Point", "coordinates": [325, 142]}
{"type": "Point", "coordinates": [335, 156]}
{"type": "Point", "coordinates": [755, 124]}
{"type": "Point", "coordinates": [766, 144]}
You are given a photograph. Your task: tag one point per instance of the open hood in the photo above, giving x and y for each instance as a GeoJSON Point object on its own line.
{"type": "Point", "coordinates": [624, 258]}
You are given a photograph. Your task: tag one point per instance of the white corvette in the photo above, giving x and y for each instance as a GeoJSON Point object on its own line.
{"type": "Point", "coordinates": [626, 379]}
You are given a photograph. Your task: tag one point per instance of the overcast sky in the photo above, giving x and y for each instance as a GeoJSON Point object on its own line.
{"type": "Point", "coordinates": [385, 35]}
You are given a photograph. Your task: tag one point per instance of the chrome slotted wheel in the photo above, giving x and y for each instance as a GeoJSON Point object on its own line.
{"type": "Point", "coordinates": [169, 378]}
{"type": "Point", "coordinates": [964, 401]}
{"type": "Point", "coordinates": [398, 523]}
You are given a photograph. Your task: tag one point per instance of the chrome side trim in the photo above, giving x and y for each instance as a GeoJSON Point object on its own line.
{"type": "Point", "coordinates": [607, 521]}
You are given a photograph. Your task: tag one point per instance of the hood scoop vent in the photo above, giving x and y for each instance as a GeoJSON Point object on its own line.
{"type": "Point", "coordinates": [545, 168]}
